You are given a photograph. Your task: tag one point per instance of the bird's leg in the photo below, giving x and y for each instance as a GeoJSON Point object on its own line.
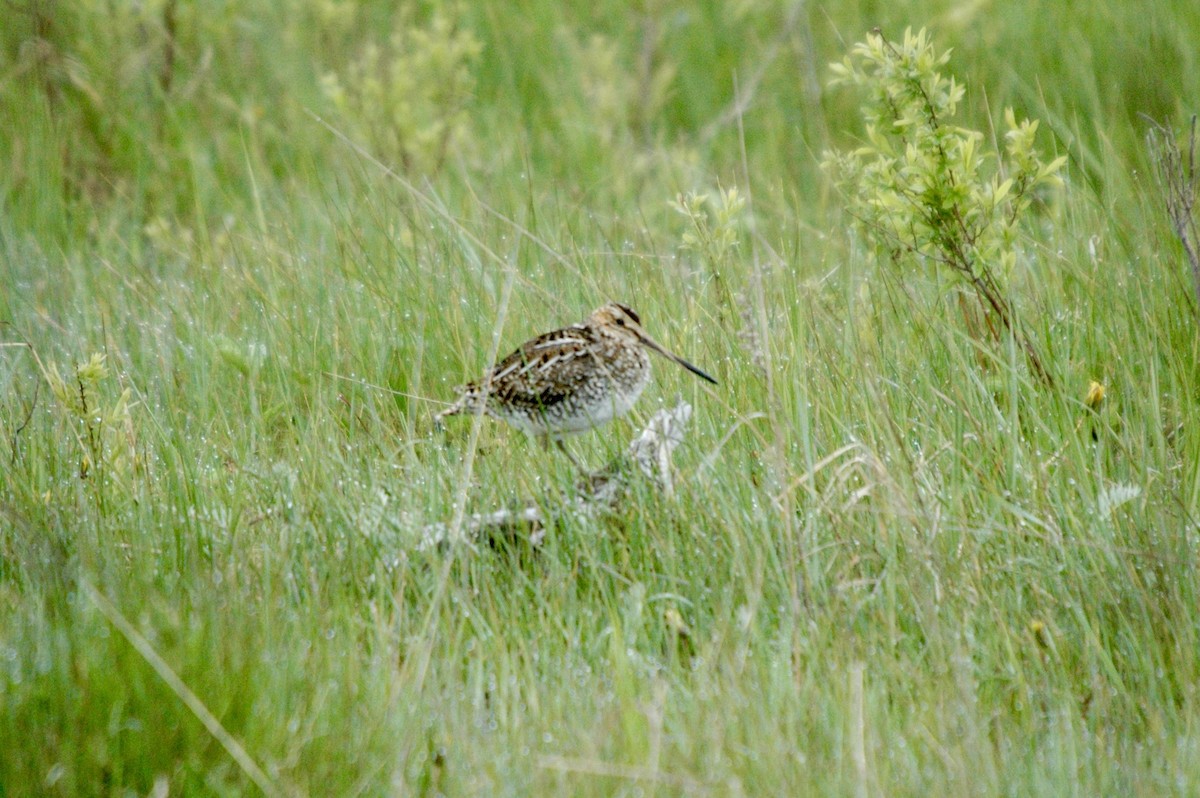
{"type": "Point", "coordinates": [563, 448]}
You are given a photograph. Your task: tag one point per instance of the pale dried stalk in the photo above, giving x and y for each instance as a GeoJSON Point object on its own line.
{"type": "Point", "coordinates": [599, 492]}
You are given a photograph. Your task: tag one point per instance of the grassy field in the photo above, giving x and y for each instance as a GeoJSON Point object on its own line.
{"type": "Point", "coordinates": [247, 248]}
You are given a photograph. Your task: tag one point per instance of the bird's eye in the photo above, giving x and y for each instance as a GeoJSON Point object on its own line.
{"type": "Point", "coordinates": [621, 322]}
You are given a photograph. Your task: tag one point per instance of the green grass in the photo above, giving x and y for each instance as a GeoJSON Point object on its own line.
{"type": "Point", "coordinates": [902, 572]}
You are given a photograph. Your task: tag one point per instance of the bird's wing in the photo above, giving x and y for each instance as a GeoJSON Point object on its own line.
{"type": "Point", "coordinates": [544, 370]}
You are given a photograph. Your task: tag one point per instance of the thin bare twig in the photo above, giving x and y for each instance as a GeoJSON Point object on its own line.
{"type": "Point", "coordinates": [37, 386]}
{"type": "Point", "coordinates": [1177, 179]}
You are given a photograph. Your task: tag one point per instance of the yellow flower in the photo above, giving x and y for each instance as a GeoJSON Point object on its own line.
{"type": "Point", "coordinates": [1040, 634]}
{"type": "Point", "coordinates": [675, 622]}
{"type": "Point", "coordinates": [679, 630]}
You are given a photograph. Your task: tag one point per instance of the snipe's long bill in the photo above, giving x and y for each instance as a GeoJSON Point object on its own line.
{"type": "Point", "coordinates": [572, 379]}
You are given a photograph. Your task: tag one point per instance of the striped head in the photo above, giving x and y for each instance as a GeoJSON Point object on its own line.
{"type": "Point", "coordinates": [622, 322]}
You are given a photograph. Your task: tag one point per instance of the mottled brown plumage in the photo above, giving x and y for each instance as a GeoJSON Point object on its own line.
{"type": "Point", "coordinates": [570, 380]}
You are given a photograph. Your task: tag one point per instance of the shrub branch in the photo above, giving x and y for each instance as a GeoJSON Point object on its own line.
{"type": "Point", "coordinates": [1177, 180]}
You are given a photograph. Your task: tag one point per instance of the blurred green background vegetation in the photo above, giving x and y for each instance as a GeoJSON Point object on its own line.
{"type": "Point", "coordinates": [247, 246]}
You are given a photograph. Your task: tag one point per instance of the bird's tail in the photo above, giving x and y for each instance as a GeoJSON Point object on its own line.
{"type": "Point", "coordinates": [471, 402]}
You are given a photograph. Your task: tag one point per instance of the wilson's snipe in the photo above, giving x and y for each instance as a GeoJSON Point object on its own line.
{"type": "Point", "coordinates": [569, 380]}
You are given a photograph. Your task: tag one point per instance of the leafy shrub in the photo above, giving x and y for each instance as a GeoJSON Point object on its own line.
{"type": "Point", "coordinates": [408, 100]}
{"type": "Point", "coordinates": [925, 191]}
